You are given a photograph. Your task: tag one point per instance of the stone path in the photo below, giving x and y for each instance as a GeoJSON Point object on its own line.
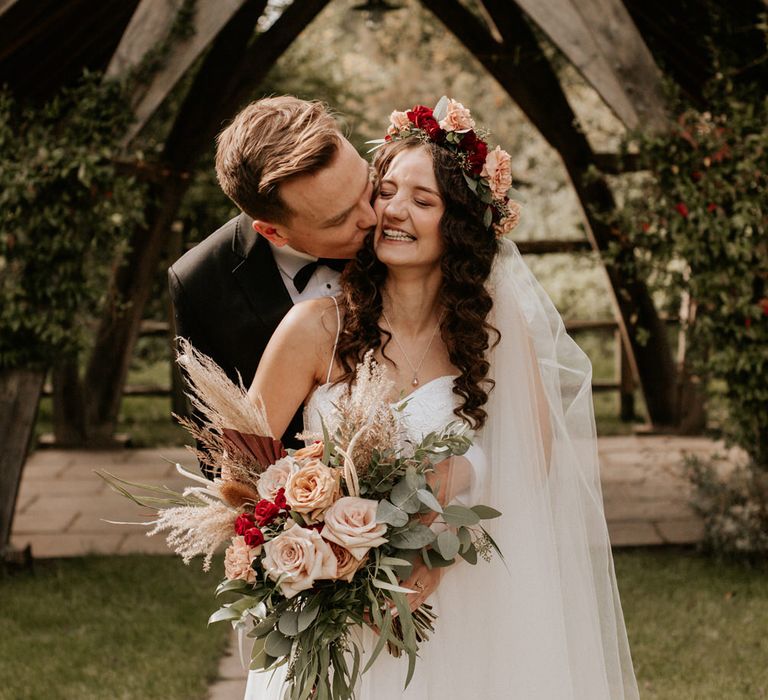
{"type": "Point", "coordinates": [62, 504]}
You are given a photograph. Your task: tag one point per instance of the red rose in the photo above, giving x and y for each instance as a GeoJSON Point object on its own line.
{"type": "Point", "coordinates": [682, 209]}
{"type": "Point", "coordinates": [253, 537]}
{"type": "Point", "coordinates": [280, 501]}
{"type": "Point", "coordinates": [424, 119]}
{"type": "Point", "coordinates": [244, 522]}
{"type": "Point", "coordinates": [476, 150]}
{"type": "Point", "coordinates": [265, 512]}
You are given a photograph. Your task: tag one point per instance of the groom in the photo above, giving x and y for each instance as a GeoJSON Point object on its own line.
{"type": "Point", "coordinates": [305, 197]}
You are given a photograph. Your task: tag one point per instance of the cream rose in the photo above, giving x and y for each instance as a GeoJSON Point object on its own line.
{"type": "Point", "coordinates": [457, 118]}
{"type": "Point", "coordinates": [351, 522]}
{"type": "Point", "coordinates": [274, 477]}
{"type": "Point", "coordinates": [238, 558]}
{"type": "Point", "coordinates": [313, 451]}
{"type": "Point", "coordinates": [301, 557]}
{"type": "Point", "coordinates": [346, 564]}
{"type": "Point", "coordinates": [313, 488]}
{"type": "Point", "coordinates": [397, 122]}
{"type": "Point", "coordinates": [498, 170]}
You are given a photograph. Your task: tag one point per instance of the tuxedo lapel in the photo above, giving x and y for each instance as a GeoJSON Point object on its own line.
{"type": "Point", "coordinates": [257, 273]}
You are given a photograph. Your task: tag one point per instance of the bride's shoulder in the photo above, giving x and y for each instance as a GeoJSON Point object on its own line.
{"type": "Point", "coordinates": [313, 319]}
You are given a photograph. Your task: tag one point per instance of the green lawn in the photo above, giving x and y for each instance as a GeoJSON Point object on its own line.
{"type": "Point", "coordinates": [117, 628]}
{"type": "Point", "coordinates": [697, 628]}
{"type": "Point", "coordinates": [134, 628]}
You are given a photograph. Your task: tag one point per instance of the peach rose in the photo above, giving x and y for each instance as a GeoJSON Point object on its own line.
{"type": "Point", "coordinates": [313, 451]}
{"type": "Point", "coordinates": [397, 122]}
{"type": "Point", "coordinates": [238, 558]}
{"type": "Point", "coordinates": [275, 477]}
{"type": "Point", "coordinates": [346, 564]}
{"type": "Point", "coordinates": [498, 170]}
{"type": "Point", "coordinates": [300, 556]}
{"type": "Point", "coordinates": [351, 522]}
{"type": "Point", "coordinates": [457, 118]}
{"type": "Point", "coordinates": [313, 488]}
{"type": "Point", "coordinates": [509, 221]}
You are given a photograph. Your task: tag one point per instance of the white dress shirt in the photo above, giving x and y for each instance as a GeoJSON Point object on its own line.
{"type": "Point", "coordinates": [324, 281]}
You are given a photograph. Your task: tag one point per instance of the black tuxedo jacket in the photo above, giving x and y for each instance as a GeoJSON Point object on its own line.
{"type": "Point", "coordinates": [228, 299]}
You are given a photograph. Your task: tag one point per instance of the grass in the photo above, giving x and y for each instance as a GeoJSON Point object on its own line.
{"type": "Point", "coordinates": [124, 628]}
{"type": "Point", "coordinates": [133, 628]}
{"type": "Point", "coordinates": [697, 628]}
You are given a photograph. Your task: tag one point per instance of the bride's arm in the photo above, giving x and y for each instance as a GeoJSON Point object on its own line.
{"type": "Point", "coordinates": [295, 361]}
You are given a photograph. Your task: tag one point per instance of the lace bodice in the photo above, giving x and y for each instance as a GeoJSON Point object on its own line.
{"type": "Point", "coordinates": [427, 408]}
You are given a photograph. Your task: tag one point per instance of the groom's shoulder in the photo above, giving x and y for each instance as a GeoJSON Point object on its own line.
{"type": "Point", "coordinates": [218, 252]}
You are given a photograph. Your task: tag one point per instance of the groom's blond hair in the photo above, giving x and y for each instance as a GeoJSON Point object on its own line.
{"type": "Point", "coordinates": [269, 142]}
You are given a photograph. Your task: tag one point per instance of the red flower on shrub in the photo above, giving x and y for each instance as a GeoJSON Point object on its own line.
{"type": "Point", "coordinates": [645, 226]}
{"type": "Point", "coordinates": [711, 207]}
{"type": "Point", "coordinates": [682, 209]}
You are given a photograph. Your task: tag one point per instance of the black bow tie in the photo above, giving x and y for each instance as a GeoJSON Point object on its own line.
{"type": "Point", "coordinates": [301, 278]}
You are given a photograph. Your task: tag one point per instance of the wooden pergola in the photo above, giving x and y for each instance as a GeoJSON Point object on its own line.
{"type": "Point", "coordinates": [615, 45]}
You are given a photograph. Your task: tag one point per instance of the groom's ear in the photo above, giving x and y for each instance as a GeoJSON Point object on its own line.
{"type": "Point", "coordinates": [270, 233]}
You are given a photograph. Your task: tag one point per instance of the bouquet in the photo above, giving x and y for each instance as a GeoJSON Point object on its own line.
{"type": "Point", "coordinates": [318, 540]}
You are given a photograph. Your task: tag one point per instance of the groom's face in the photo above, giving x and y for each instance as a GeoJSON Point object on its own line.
{"type": "Point", "coordinates": [332, 209]}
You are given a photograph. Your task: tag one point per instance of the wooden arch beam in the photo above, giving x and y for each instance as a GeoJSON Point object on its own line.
{"type": "Point", "coordinates": [522, 69]}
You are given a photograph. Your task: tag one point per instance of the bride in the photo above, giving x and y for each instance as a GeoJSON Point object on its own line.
{"type": "Point", "coordinates": [466, 333]}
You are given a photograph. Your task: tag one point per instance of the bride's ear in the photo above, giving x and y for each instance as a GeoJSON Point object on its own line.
{"type": "Point", "coordinates": [270, 233]}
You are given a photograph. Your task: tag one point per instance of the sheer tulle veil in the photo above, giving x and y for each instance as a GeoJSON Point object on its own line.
{"type": "Point", "coordinates": [558, 630]}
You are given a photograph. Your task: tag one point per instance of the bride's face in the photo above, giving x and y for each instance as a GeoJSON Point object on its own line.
{"type": "Point", "coordinates": [408, 211]}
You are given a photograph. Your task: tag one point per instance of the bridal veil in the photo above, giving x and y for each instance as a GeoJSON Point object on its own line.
{"type": "Point", "coordinates": [558, 628]}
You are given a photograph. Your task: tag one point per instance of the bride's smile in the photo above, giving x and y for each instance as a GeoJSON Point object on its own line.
{"type": "Point", "coordinates": [408, 208]}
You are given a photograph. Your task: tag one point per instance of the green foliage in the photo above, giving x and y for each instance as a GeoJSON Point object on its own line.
{"type": "Point", "coordinates": [64, 214]}
{"type": "Point", "coordinates": [698, 222]}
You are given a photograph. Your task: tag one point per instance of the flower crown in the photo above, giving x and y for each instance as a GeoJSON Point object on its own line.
{"type": "Point", "coordinates": [487, 173]}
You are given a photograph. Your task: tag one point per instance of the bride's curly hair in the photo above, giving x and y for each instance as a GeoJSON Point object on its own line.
{"type": "Point", "coordinates": [468, 253]}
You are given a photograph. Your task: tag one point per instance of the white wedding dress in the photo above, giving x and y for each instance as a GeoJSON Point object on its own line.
{"type": "Point", "coordinates": [547, 624]}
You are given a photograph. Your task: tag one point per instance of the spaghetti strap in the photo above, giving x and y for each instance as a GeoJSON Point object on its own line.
{"type": "Point", "coordinates": [336, 342]}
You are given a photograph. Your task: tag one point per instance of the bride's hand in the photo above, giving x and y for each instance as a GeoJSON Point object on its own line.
{"type": "Point", "coordinates": [423, 581]}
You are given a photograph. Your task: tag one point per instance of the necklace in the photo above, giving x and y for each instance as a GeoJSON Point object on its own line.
{"type": "Point", "coordinates": [415, 370]}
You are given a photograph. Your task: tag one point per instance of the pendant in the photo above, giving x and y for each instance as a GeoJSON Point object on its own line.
{"type": "Point", "coordinates": [415, 381]}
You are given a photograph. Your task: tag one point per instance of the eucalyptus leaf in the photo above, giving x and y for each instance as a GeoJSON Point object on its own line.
{"type": "Point", "coordinates": [307, 616]}
{"type": "Point", "coordinates": [288, 623]}
{"type": "Point", "coordinates": [447, 544]}
{"type": "Point", "coordinates": [470, 555]}
{"type": "Point", "coordinates": [415, 537]}
{"type": "Point", "coordinates": [277, 644]}
{"type": "Point", "coordinates": [471, 182]}
{"type": "Point", "coordinates": [459, 515]}
{"type": "Point", "coordinates": [429, 500]}
{"type": "Point", "coordinates": [230, 585]}
{"type": "Point", "coordinates": [465, 538]}
{"type": "Point", "coordinates": [391, 586]}
{"type": "Point", "coordinates": [388, 513]}
{"type": "Point", "coordinates": [486, 512]}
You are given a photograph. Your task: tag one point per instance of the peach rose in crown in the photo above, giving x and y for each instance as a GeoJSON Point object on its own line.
{"type": "Point", "coordinates": [313, 488]}
{"type": "Point", "coordinates": [301, 557]}
{"type": "Point", "coordinates": [238, 558]}
{"type": "Point", "coordinates": [351, 522]}
{"type": "Point", "coordinates": [397, 122]}
{"type": "Point", "coordinates": [275, 477]}
{"type": "Point", "coordinates": [498, 170]}
{"type": "Point", "coordinates": [457, 118]}
{"type": "Point", "coordinates": [510, 221]}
